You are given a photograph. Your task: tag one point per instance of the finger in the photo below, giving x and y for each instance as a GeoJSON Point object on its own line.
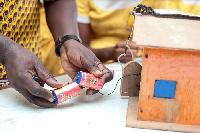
{"type": "Point", "coordinates": [121, 44]}
{"type": "Point", "coordinates": [128, 53]}
{"type": "Point", "coordinates": [139, 47]}
{"type": "Point", "coordinates": [91, 66]}
{"type": "Point", "coordinates": [91, 91]}
{"type": "Point", "coordinates": [37, 100]}
{"type": "Point", "coordinates": [120, 51]}
{"type": "Point", "coordinates": [107, 74]}
{"type": "Point", "coordinates": [125, 59]}
{"type": "Point", "coordinates": [131, 44]}
{"type": "Point", "coordinates": [70, 68]}
{"type": "Point", "coordinates": [47, 77]}
{"type": "Point", "coordinates": [35, 89]}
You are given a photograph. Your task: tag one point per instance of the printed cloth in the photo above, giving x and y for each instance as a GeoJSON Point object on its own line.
{"type": "Point", "coordinates": [19, 20]}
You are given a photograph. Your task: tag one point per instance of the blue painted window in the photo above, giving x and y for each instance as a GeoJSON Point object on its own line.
{"type": "Point", "coordinates": [165, 89]}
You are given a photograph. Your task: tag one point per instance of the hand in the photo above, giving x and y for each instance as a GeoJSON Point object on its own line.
{"type": "Point", "coordinates": [120, 49]}
{"type": "Point", "coordinates": [20, 66]}
{"type": "Point", "coordinates": [75, 57]}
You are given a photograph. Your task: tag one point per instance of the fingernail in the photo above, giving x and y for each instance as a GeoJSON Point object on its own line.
{"type": "Point", "coordinates": [60, 83]}
{"type": "Point", "coordinates": [98, 71]}
{"type": "Point", "coordinates": [51, 100]}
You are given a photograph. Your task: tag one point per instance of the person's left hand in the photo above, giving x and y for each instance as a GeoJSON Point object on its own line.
{"type": "Point", "coordinates": [75, 57]}
{"type": "Point", "coordinates": [21, 65]}
{"type": "Point", "coordinates": [120, 47]}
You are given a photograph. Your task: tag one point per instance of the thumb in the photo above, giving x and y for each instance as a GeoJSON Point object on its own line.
{"type": "Point", "coordinates": [96, 72]}
{"type": "Point", "coordinates": [47, 77]}
{"type": "Point", "coordinates": [92, 68]}
{"type": "Point", "coordinates": [91, 91]}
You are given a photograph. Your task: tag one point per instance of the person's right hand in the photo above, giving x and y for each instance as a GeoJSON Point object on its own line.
{"type": "Point", "coordinates": [120, 48]}
{"type": "Point", "coordinates": [75, 58]}
{"type": "Point", "coordinates": [21, 65]}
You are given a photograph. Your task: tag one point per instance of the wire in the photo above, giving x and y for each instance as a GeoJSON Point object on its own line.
{"type": "Point", "coordinates": [118, 82]}
{"type": "Point", "coordinates": [127, 46]}
{"type": "Point", "coordinates": [124, 54]}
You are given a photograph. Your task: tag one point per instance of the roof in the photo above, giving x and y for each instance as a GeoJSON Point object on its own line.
{"type": "Point", "coordinates": [168, 29]}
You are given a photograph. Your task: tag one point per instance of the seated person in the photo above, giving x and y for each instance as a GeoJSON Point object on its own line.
{"type": "Point", "coordinates": [104, 26]}
{"type": "Point", "coordinates": [102, 29]}
{"type": "Point", "coordinates": [20, 48]}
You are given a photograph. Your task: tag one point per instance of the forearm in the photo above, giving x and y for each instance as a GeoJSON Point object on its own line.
{"type": "Point", "coordinates": [5, 43]}
{"type": "Point", "coordinates": [61, 18]}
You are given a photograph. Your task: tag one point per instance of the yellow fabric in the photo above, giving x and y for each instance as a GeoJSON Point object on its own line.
{"type": "Point", "coordinates": [189, 8]}
{"type": "Point", "coordinates": [175, 4]}
{"type": "Point", "coordinates": [110, 27]}
{"type": "Point", "coordinates": [19, 20]}
{"type": "Point", "coordinates": [49, 58]}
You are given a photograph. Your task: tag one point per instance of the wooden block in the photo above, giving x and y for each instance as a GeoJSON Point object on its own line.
{"type": "Point", "coordinates": [181, 66]}
{"type": "Point", "coordinates": [132, 121]}
{"type": "Point", "coordinates": [130, 85]}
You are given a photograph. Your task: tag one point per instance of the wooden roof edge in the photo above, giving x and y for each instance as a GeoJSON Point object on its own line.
{"type": "Point", "coordinates": [171, 48]}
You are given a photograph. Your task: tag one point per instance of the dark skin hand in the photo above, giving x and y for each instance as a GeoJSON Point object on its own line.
{"type": "Point", "coordinates": [110, 53]}
{"type": "Point", "coordinates": [21, 65]}
{"type": "Point", "coordinates": [120, 49]}
{"type": "Point", "coordinates": [75, 57]}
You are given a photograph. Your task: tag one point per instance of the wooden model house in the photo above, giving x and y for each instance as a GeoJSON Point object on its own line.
{"type": "Point", "coordinates": [170, 77]}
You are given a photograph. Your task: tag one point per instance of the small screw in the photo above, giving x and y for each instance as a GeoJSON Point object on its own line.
{"type": "Point", "coordinates": [146, 56]}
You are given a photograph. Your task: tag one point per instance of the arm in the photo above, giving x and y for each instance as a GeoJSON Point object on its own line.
{"type": "Point", "coordinates": [61, 19]}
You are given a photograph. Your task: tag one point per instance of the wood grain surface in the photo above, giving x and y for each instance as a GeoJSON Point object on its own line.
{"type": "Point", "coordinates": [175, 65]}
{"type": "Point", "coordinates": [130, 85]}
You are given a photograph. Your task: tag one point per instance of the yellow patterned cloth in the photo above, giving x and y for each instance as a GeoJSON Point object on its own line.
{"type": "Point", "coordinates": [19, 20]}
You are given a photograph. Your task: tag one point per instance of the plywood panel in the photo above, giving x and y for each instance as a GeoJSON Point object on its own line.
{"type": "Point", "coordinates": [132, 121]}
{"type": "Point", "coordinates": [167, 32]}
{"type": "Point", "coordinates": [175, 65]}
{"type": "Point", "coordinates": [130, 84]}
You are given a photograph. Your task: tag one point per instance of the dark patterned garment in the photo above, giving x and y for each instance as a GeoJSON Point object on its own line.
{"type": "Point", "coordinates": [19, 20]}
